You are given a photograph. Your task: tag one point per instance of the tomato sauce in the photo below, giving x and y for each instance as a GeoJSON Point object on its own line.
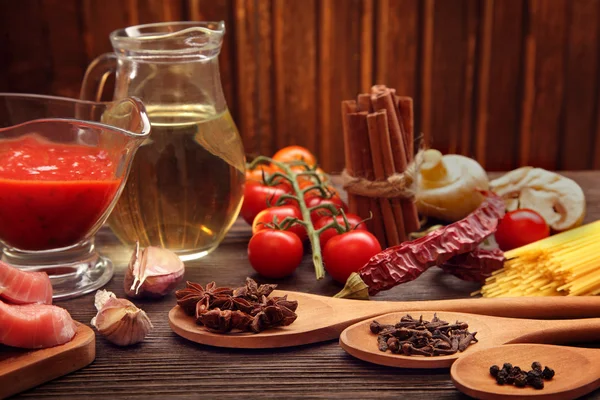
{"type": "Point", "coordinates": [52, 194]}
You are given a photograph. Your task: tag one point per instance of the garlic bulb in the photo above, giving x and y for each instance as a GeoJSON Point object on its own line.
{"type": "Point", "coordinates": [153, 272]}
{"type": "Point", "coordinates": [448, 186]}
{"type": "Point", "coordinates": [119, 320]}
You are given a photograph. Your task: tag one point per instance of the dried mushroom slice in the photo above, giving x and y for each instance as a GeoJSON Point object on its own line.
{"type": "Point", "coordinates": [559, 200]}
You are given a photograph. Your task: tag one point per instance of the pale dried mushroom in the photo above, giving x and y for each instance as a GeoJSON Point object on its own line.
{"type": "Point", "coordinates": [449, 187]}
{"type": "Point", "coordinates": [558, 199]}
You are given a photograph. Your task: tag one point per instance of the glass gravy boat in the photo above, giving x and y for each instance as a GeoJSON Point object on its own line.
{"type": "Point", "coordinates": [63, 165]}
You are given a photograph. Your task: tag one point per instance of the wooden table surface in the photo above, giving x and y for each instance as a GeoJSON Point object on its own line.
{"type": "Point", "coordinates": [166, 366]}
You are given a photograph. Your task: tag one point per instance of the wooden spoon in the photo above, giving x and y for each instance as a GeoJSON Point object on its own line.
{"type": "Point", "coordinates": [323, 318]}
{"type": "Point", "coordinates": [358, 340]}
{"type": "Point", "coordinates": [577, 371]}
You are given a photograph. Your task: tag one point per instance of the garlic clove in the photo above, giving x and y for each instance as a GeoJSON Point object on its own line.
{"type": "Point", "coordinates": [119, 320]}
{"type": "Point", "coordinates": [153, 272]}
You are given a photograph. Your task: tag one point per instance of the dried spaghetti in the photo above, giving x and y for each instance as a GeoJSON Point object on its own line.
{"type": "Point", "coordinates": [566, 264]}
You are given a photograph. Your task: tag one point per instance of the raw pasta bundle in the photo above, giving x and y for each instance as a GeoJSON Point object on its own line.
{"type": "Point", "coordinates": [566, 264]}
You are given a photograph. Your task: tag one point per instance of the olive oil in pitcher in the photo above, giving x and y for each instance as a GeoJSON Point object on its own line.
{"type": "Point", "coordinates": [186, 183]}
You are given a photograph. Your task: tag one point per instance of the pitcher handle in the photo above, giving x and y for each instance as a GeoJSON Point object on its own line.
{"type": "Point", "coordinates": [96, 75]}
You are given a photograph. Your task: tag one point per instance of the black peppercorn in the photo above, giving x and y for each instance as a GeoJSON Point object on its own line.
{"type": "Point", "coordinates": [537, 383]}
{"type": "Point", "coordinates": [547, 373]}
{"type": "Point", "coordinates": [521, 380]}
{"type": "Point", "coordinates": [516, 376]}
{"type": "Point", "coordinates": [494, 369]}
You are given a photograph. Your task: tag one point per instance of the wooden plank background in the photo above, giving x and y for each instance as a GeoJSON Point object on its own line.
{"type": "Point", "coordinates": [509, 82]}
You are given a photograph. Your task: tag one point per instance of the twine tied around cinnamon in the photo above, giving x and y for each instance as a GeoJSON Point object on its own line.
{"type": "Point", "coordinates": [398, 185]}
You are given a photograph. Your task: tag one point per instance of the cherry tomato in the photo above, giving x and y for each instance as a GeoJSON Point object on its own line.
{"type": "Point", "coordinates": [354, 220]}
{"type": "Point", "coordinates": [306, 183]}
{"type": "Point", "coordinates": [274, 253]}
{"type": "Point", "coordinates": [258, 197]}
{"type": "Point", "coordinates": [256, 174]}
{"type": "Point", "coordinates": [307, 178]}
{"type": "Point", "coordinates": [295, 153]}
{"type": "Point", "coordinates": [317, 214]}
{"type": "Point", "coordinates": [521, 227]}
{"type": "Point", "coordinates": [281, 212]}
{"type": "Point", "coordinates": [349, 252]}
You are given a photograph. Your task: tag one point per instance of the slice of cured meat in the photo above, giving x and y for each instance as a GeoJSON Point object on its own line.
{"type": "Point", "coordinates": [22, 287]}
{"type": "Point", "coordinates": [35, 326]}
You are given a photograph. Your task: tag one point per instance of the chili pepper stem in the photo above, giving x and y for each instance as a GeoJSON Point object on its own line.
{"type": "Point", "coordinates": [355, 288]}
{"type": "Point", "coordinates": [313, 235]}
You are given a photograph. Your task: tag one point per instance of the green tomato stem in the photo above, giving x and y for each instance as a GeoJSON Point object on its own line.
{"type": "Point", "coordinates": [313, 235]}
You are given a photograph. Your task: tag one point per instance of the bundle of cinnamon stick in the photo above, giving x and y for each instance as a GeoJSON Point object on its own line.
{"type": "Point", "coordinates": [378, 143]}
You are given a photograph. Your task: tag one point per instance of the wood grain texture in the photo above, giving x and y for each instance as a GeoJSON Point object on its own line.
{"type": "Point", "coordinates": [24, 369]}
{"type": "Point", "coordinates": [448, 73]}
{"type": "Point", "coordinates": [295, 60]}
{"type": "Point", "coordinates": [510, 82]}
{"type": "Point", "coordinates": [30, 66]}
{"type": "Point", "coordinates": [499, 85]}
{"type": "Point", "coordinates": [66, 41]}
{"type": "Point", "coordinates": [548, 25]}
{"type": "Point", "coordinates": [254, 81]}
{"type": "Point", "coordinates": [167, 366]}
{"type": "Point", "coordinates": [339, 44]}
{"type": "Point", "coordinates": [580, 97]}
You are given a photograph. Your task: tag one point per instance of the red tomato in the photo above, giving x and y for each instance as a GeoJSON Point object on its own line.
{"type": "Point", "coordinates": [295, 153]}
{"type": "Point", "coordinates": [354, 220]}
{"type": "Point", "coordinates": [256, 174]}
{"type": "Point", "coordinates": [521, 227]}
{"type": "Point", "coordinates": [281, 212]}
{"type": "Point", "coordinates": [317, 214]}
{"type": "Point", "coordinates": [349, 252]}
{"type": "Point", "coordinates": [306, 183]}
{"type": "Point", "coordinates": [258, 197]}
{"type": "Point", "coordinates": [274, 253]}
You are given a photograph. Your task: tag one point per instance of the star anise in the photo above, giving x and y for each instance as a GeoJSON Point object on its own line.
{"type": "Point", "coordinates": [223, 321]}
{"type": "Point", "coordinates": [247, 308]}
{"type": "Point", "coordinates": [189, 297]}
{"type": "Point", "coordinates": [252, 291]}
{"type": "Point", "coordinates": [272, 312]}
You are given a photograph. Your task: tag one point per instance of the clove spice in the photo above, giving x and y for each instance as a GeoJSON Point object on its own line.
{"type": "Point", "coordinates": [247, 308]}
{"type": "Point", "coordinates": [412, 337]}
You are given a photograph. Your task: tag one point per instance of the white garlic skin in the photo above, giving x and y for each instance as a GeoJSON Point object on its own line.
{"type": "Point", "coordinates": [152, 273]}
{"type": "Point", "coordinates": [119, 320]}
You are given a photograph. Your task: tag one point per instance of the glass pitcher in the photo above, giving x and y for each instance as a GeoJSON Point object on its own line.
{"type": "Point", "coordinates": [186, 185]}
{"type": "Point", "coordinates": [63, 164]}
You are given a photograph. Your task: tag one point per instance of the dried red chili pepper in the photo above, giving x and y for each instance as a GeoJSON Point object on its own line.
{"type": "Point", "coordinates": [407, 261]}
{"type": "Point", "coordinates": [475, 266]}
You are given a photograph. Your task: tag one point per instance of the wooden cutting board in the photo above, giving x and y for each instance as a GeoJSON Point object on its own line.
{"type": "Point", "coordinates": [23, 369]}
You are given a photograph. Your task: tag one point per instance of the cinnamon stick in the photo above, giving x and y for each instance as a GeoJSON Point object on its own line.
{"type": "Point", "coordinates": [384, 100]}
{"type": "Point", "coordinates": [348, 106]}
{"type": "Point", "coordinates": [406, 116]}
{"type": "Point", "coordinates": [361, 165]}
{"type": "Point", "coordinates": [381, 151]}
{"type": "Point", "coordinates": [364, 102]}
